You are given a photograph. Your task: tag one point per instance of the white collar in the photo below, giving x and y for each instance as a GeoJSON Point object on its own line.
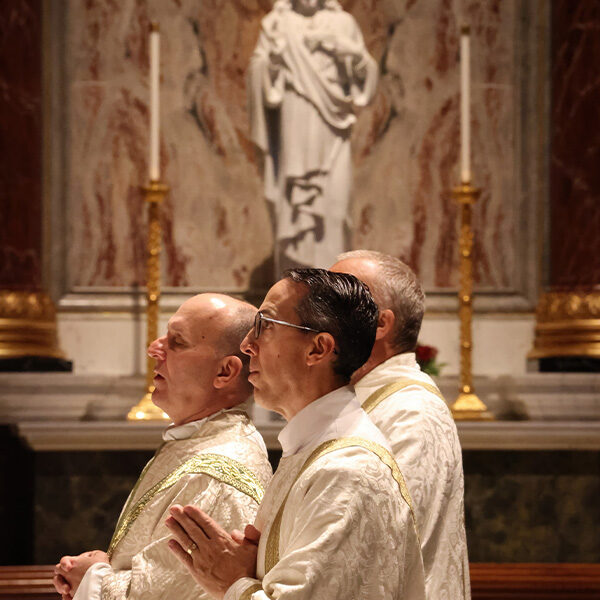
{"type": "Point", "coordinates": [328, 417]}
{"type": "Point", "coordinates": [187, 430]}
{"type": "Point", "coordinates": [399, 365]}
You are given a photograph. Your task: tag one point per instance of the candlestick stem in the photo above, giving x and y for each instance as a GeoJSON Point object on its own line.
{"type": "Point", "coordinates": [154, 195]}
{"type": "Point", "coordinates": [468, 406]}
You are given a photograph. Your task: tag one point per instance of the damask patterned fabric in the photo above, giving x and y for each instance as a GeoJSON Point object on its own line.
{"type": "Point", "coordinates": [424, 441]}
{"type": "Point", "coordinates": [345, 530]}
{"type": "Point", "coordinates": [142, 566]}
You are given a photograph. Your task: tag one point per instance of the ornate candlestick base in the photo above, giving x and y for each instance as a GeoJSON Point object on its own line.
{"type": "Point", "coordinates": [468, 406]}
{"type": "Point", "coordinates": [154, 195]}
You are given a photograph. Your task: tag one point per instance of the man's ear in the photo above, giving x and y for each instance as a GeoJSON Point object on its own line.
{"type": "Point", "coordinates": [322, 348]}
{"type": "Point", "coordinates": [229, 368]}
{"type": "Point", "coordinates": [385, 324]}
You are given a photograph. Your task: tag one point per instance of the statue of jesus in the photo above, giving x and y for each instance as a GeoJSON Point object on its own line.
{"type": "Point", "coordinates": [308, 74]}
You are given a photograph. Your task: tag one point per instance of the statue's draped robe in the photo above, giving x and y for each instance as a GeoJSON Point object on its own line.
{"type": "Point", "coordinates": [301, 119]}
{"type": "Point", "coordinates": [424, 441]}
{"type": "Point", "coordinates": [346, 532]}
{"type": "Point", "coordinates": [226, 472]}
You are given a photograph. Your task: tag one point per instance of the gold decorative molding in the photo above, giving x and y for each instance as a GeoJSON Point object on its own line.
{"type": "Point", "coordinates": [27, 325]}
{"type": "Point", "coordinates": [568, 324]}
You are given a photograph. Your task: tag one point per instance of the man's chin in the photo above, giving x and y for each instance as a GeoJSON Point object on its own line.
{"type": "Point", "coordinates": [159, 399]}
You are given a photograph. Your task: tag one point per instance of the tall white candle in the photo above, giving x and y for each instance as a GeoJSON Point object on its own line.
{"type": "Point", "coordinates": [465, 105]}
{"type": "Point", "coordinates": [154, 102]}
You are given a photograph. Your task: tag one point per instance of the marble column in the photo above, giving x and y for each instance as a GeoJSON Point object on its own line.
{"type": "Point", "coordinates": [28, 339]}
{"type": "Point", "coordinates": [568, 313]}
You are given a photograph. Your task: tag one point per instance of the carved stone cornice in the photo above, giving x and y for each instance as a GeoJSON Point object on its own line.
{"type": "Point", "coordinates": [568, 324]}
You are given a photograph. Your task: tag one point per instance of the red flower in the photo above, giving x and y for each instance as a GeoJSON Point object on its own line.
{"type": "Point", "coordinates": [426, 354]}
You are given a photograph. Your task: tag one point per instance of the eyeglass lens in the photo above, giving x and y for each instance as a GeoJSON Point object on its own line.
{"type": "Point", "coordinates": [257, 324]}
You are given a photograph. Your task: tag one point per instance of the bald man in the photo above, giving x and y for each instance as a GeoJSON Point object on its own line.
{"type": "Point", "coordinates": [408, 408]}
{"type": "Point", "coordinates": [211, 457]}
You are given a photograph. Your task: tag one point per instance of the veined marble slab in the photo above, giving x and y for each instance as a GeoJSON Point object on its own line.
{"type": "Point", "coordinates": [58, 411]}
{"type": "Point", "coordinates": [216, 226]}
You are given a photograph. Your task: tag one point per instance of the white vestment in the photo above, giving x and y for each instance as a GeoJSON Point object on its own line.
{"type": "Point", "coordinates": [219, 464]}
{"type": "Point", "coordinates": [424, 441]}
{"type": "Point", "coordinates": [302, 108]}
{"type": "Point", "coordinates": [339, 528]}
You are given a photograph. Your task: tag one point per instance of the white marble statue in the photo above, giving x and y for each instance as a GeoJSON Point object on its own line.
{"type": "Point", "coordinates": [308, 74]}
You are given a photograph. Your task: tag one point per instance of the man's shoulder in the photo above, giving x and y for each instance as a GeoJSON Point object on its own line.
{"type": "Point", "coordinates": [409, 390]}
{"type": "Point", "coordinates": [347, 458]}
{"type": "Point", "coordinates": [232, 437]}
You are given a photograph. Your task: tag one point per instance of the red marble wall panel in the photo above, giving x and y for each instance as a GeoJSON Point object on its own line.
{"type": "Point", "coordinates": [575, 157]}
{"type": "Point", "coordinates": [217, 229]}
{"type": "Point", "coordinates": [20, 144]}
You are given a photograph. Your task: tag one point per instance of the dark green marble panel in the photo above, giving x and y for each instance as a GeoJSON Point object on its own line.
{"type": "Point", "coordinates": [532, 506]}
{"type": "Point", "coordinates": [78, 498]}
{"type": "Point", "coordinates": [520, 506]}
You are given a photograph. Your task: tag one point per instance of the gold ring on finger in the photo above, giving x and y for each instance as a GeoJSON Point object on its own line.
{"type": "Point", "coordinates": [191, 548]}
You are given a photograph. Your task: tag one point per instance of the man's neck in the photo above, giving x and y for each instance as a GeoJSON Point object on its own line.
{"type": "Point", "coordinates": [206, 412]}
{"type": "Point", "coordinates": [380, 353]}
{"type": "Point", "coordinates": [318, 388]}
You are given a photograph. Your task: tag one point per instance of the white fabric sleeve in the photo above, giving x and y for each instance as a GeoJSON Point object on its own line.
{"type": "Point", "coordinates": [346, 533]}
{"type": "Point", "coordinates": [155, 571]}
{"type": "Point", "coordinates": [90, 587]}
{"type": "Point", "coordinates": [245, 588]}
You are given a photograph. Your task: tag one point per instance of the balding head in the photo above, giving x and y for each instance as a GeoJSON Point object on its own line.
{"type": "Point", "coordinates": [200, 368]}
{"type": "Point", "coordinates": [395, 287]}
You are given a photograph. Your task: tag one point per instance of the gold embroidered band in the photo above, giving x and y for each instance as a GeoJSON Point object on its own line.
{"type": "Point", "coordinates": [247, 593]}
{"type": "Point", "coordinates": [222, 468]}
{"type": "Point", "coordinates": [272, 547]}
{"type": "Point", "coordinates": [386, 391]}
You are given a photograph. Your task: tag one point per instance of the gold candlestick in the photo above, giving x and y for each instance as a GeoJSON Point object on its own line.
{"type": "Point", "coordinates": [154, 193]}
{"type": "Point", "coordinates": [467, 406]}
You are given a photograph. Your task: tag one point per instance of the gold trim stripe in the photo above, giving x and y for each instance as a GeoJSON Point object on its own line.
{"type": "Point", "coordinates": [222, 468]}
{"type": "Point", "coordinates": [378, 396]}
{"type": "Point", "coordinates": [247, 593]}
{"type": "Point", "coordinates": [272, 547]}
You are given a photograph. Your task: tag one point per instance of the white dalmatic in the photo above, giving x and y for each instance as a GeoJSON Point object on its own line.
{"type": "Point", "coordinates": [407, 407]}
{"type": "Point", "coordinates": [219, 464]}
{"type": "Point", "coordinates": [336, 521]}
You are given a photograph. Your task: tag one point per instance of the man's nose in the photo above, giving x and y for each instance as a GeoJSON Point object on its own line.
{"type": "Point", "coordinates": [156, 349]}
{"type": "Point", "coordinates": [248, 345]}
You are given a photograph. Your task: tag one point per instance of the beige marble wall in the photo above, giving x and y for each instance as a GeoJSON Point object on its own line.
{"type": "Point", "coordinates": [216, 227]}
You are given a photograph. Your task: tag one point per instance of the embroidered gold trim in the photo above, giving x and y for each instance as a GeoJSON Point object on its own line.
{"type": "Point", "coordinates": [135, 488]}
{"type": "Point", "coordinates": [272, 547]}
{"type": "Point", "coordinates": [222, 468]}
{"type": "Point", "coordinates": [247, 593]}
{"type": "Point", "coordinates": [378, 396]}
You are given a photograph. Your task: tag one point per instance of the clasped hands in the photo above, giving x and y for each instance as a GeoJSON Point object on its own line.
{"type": "Point", "coordinates": [215, 558]}
{"type": "Point", "coordinates": [69, 572]}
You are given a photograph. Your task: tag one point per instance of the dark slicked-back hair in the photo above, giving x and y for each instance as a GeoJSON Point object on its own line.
{"type": "Point", "coordinates": [396, 287]}
{"type": "Point", "coordinates": [341, 305]}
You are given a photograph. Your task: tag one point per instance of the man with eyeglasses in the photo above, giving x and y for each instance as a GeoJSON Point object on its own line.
{"type": "Point", "coordinates": [336, 520]}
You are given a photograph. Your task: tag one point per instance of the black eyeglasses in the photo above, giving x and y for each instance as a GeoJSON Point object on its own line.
{"type": "Point", "coordinates": [260, 317]}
